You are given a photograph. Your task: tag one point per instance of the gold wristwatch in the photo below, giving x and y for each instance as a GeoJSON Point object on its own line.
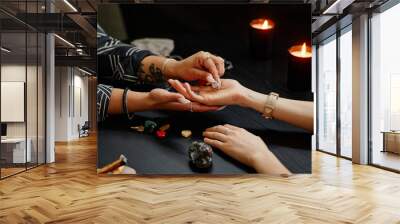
{"type": "Point", "coordinates": [270, 104]}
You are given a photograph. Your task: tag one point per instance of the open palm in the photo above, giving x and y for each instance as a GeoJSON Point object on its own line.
{"type": "Point", "coordinates": [228, 94]}
{"type": "Point", "coordinates": [162, 99]}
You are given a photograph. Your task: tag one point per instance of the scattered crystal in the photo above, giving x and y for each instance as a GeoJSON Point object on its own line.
{"type": "Point", "coordinates": [138, 128]}
{"type": "Point", "coordinates": [165, 127]}
{"type": "Point", "coordinates": [200, 154]}
{"type": "Point", "coordinates": [150, 126]}
{"type": "Point", "coordinates": [186, 133]}
{"type": "Point", "coordinates": [161, 134]}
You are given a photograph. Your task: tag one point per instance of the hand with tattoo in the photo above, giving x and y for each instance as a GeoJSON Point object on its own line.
{"type": "Point", "coordinates": [199, 66]}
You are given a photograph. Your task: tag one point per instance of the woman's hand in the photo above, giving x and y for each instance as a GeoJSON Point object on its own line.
{"type": "Point", "coordinates": [200, 66]}
{"type": "Point", "coordinates": [230, 92]}
{"type": "Point", "coordinates": [163, 100]}
{"type": "Point", "coordinates": [245, 147]}
{"type": "Point", "coordinates": [156, 99]}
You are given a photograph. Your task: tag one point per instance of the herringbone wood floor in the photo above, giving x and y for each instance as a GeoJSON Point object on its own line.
{"type": "Point", "coordinates": [69, 191]}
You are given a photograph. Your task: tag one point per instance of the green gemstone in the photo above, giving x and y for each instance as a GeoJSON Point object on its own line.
{"type": "Point", "coordinates": [150, 126]}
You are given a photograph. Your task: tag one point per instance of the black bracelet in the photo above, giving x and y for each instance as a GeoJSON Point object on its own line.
{"type": "Point", "coordinates": [125, 104]}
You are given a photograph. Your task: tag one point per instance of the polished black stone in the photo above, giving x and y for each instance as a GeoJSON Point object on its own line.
{"type": "Point", "coordinates": [200, 154]}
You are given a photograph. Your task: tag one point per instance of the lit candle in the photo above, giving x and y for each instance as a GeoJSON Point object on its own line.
{"type": "Point", "coordinates": [261, 38]}
{"type": "Point", "coordinates": [262, 24]}
{"type": "Point", "coordinates": [301, 51]}
{"type": "Point", "coordinates": [299, 68]}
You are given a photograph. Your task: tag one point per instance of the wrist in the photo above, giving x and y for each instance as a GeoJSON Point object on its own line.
{"type": "Point", "coordinates": [149, 102]}
{"type": "Point", "coordinates": [259, 160]}
{"type": "Point", "coordinates": [139, 101]}
{"type": "Point", "coordinates": [253, 100]}
{"type": "Point", "coordinates": [242, 98]}
{"type": "Point", "coordinates": [171, 68]}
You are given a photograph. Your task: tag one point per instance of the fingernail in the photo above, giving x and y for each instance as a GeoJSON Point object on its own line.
{"type": "Point", "coordinates": [221, 108]}
{"type": "Point", "coordinates": [215, 85]}
{"type": "Point", "coordinates": [210, 79]}
{"type": "Point", "coordinates": [183, 100]}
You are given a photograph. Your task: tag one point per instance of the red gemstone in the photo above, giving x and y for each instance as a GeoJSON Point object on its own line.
{"type": "Point", "coordinates": [161, 134]}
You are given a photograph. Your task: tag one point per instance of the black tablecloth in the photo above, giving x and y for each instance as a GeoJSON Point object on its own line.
{"type": "Point", "coordinates": [150, 155]}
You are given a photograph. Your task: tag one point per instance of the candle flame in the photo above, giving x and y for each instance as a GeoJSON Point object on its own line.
{"type": "Point", "coordinates": [301, 51]}
{"type": "Point", "coordinates": [262, 24]}
{"type": "Point", "coordinates": [304, 49]}
{"type": "Point", "coordinates": [265, 25]}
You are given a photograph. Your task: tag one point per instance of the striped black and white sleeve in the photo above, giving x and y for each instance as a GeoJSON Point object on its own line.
{"type": "Point", "coordinates": [103, 100]}
{"type": "Point", "coordinates": [119, 60]}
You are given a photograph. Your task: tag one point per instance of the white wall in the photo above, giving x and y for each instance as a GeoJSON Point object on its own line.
{"type": "Point", "coordinates": [33, 127]}
{"type": "Point", "coordinates": [61, 103]}
{"type": "Point", "coordinates": [15, 72]}
{"type": "Point", "coordinates": [70, 83]}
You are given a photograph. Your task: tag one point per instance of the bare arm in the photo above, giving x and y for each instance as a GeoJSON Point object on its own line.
{"type": "Point", "coordinates": [296, 112]}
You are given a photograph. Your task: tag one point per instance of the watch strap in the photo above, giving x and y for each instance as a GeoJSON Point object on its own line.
{"type": "Point", "coordinates": [270, 104]}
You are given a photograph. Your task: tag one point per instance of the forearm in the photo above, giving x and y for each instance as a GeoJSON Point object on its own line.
{"type": "Point", "coordinates": [296, 112]}
{"type": "Point", "coordinates": [135, 101]}
{"type": "Point", "coordinates": [267, 163]}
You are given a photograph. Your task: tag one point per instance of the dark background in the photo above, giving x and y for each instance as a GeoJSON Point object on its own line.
{"type": "Point", "coordinates": [221, 30]}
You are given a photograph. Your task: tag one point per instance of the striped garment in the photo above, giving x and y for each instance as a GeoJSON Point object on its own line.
{"type": "Point", "coordinates": [117, 61]}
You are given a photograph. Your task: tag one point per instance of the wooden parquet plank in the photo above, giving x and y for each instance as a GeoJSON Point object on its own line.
{"type": "Point", "coordinates": [69, 191]}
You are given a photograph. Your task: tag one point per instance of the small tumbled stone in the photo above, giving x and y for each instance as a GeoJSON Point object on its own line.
{"type": "Point", "coordinates": [138, 128]}
{"type": "Point", "coordinates": [161, 134]}
{"type": "Point", "coordinates": [165, 127]}
{"type": "Point", "coordinates": [200, 154]}
{"type": "Point", "coordinates": [186, 133]}
{"type": "Point", "coordinates": [150, 126]}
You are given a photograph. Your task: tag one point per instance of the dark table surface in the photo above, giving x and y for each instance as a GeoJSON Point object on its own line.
{"type": "Point", "coordinates": [150, 155]}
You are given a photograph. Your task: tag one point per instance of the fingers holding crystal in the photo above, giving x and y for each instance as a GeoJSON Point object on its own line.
{"type": "Point", "coordinates": [212, 64]}
{"type": "Point", "coordinates": [220, 64]}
